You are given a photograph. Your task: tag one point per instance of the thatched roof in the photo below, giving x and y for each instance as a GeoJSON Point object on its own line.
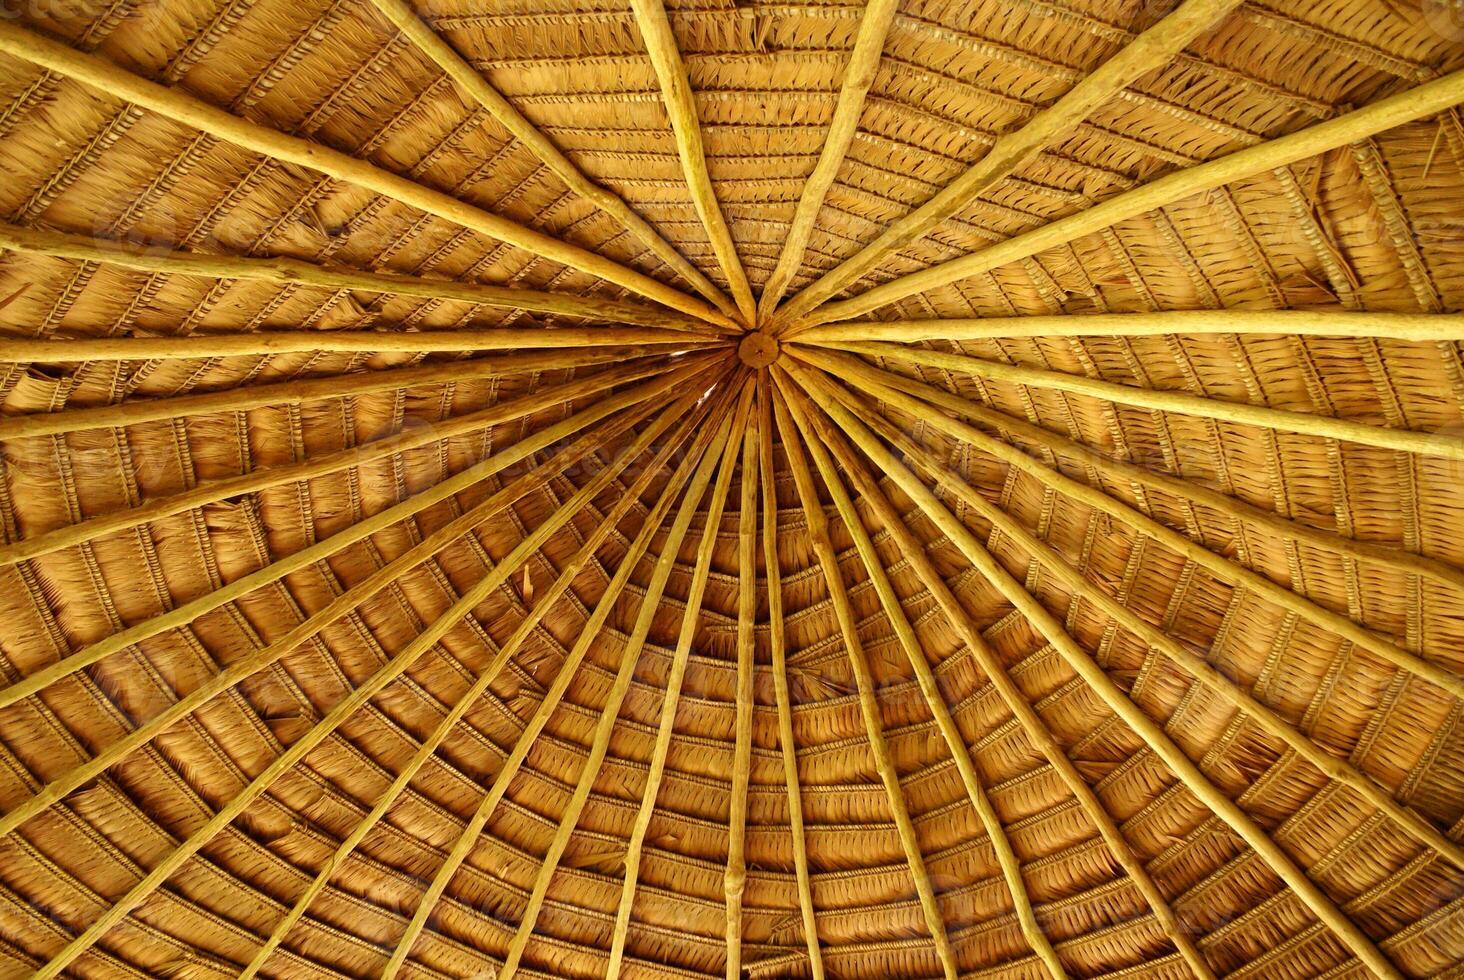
{"type": "Point", "coordinates": [599, 488]}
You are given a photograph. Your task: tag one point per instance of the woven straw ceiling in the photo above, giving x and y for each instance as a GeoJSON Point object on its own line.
{"type": "Point", "coordinates": [732, 488]}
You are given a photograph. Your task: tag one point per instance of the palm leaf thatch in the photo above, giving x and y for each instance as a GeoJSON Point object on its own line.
{"type": "Point", "coordinates": [847, 489]}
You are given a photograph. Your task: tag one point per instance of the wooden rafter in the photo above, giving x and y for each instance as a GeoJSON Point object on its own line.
{"type": "Point", "coordinates": [615, 699]}
{"type": "Point", "coordinates": [864, 679]}
{"type": "Point", "coordinates": [1420, 327]}
{"type": "Point", "coordinates": [113, 82]}
{"type": "Point", "coordinates": [1124, 473]}
{"type": "Point", "coordinates": [478, 88]}
{"type": "Point", "coordinates": [347, 706]}
{"type": "Point", "coordinates": [666, 726]}
{"type": "Point", "coordinates": [1416, 103]}
{"type": "Point", "coordinates": [735, 880]}
{"type": "Point", "coordinates": [1011, 152]}
{"type": "Point", "coordinates": [201, 346]}
{"type": "Point", "coordinates": [858, 74]}
{"type": "Point", "coordinates": [1001, 845]}
{"type": "Point", "coordinates": [1036, 730]}
{"type": "Point", "coordinates": [1183, 403]}
{"type": "Point", "coordinates": [247, 397]}
{"type": "Point", "coordinates": [284, 270]}
{"type": "Point", "coordinates": [186, 612]}
{"type": "Point", "coordinates": [676, 91]}
{"type": "Point", "coordinates": [310, 628]}
{"type": "Point", "coordinates": [1146, 728]}
{"type": "Point", "coordinates": [399, 441]}
{"type": "Point", "coordinates": [773, 582]}
{"type": "Point", "coordinates": [551, 698]}
{"type": "Point", "coordinates": [1265, 717]}
{"type": "Point", "coordinates": [515, 559]}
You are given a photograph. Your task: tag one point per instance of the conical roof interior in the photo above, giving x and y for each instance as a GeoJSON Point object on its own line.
{"type": "Point", "coordinates": [683, 488]}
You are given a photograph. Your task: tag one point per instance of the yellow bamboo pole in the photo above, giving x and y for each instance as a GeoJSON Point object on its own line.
{"type": "Point", "coordinates": [859, 75]}
{"type": "Point", "coordinates": [676, 92]}
{"type": "Point", "coordinates": [1420, 327]}
{"type": "Point", "coordinates": [209, 491]}
{"type": "Point", "coordinates": [287, 760]}
{"type": "Point", "coordinates": [1112, 695]}
{"type": "Point", "coordinates": [197, 346]}
{"type": "Point", "coordinates": [113, 82]}
{"type": "Point", "coordinates": [610, 712]}
{"type": "Point", "coordinates": [308, 629]}
{"type": "Point", "coordinates": [868, 703]}
{"type": "Point", "coordinates": [469, 837]}
{"type": "Point", "coordinates": [735, 880]}
{"type": "Point", "coordinates": [1183, 403]}
{"type": "Point", "coordinates": [1416, 103]}
{"type": "Point", "coordinates": [1001, 845]}
{"type": "Point", "coordinates": [297, 272]}
{"type": "Point", "coordinates": [1266, 718]}
{"type": "Point", "coordinates": [414, 29]}
{"type": "Point", "coordinates": [773, 585]}
{"type": "Point", "coordinates": [866, 375]}
{"type": "Point", "coordinates": [666, 727]}
{"type": "Point", "coordinates": [515, 559]}
{"type": "Point", "coordinates": [1011, 152]}
{"type": "Point", "coordinates": [298, 392]}
{"type": "Point", "coordinates": [1022, 710]}
{"type": "Point", "coordinates": [187, 612]}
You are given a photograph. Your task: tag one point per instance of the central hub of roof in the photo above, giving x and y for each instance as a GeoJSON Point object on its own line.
{"type": "Point", "coordinates": [758, 350]}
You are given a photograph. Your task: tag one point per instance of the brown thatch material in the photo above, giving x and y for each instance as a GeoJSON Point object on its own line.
{"type": "Point", "coordinates": [617, 488]}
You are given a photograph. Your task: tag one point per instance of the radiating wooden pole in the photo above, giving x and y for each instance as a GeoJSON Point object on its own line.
{"type": "Point", "coordinates": [1113, 696]}
{"type": "Point", "coordinates": [666, 727]}
{"type": "Point", "coordinates": [1001, 845]}
{"type": "Point", "coordinates": [297, 272]}
{"type": "Point", "coordinates": [610, 712]}
{"type": "Point", "coordinates": [247, 397]}
{"type": "Point", "coordinates": [1183, 403]}
{"type": "Point", "coordinates": [1151, 49]}
{"type": "Point", "coordinates": [1226, 570]}
{"type": "Point", "coordinates": [869, 377]}
{"type": "Point", "coordinates": [676, 92]}
{"type": "Point", "coordinates": [210, 491]}
{"type": "Point", "coordinates": [1420, 327]}
{"type": "Point", "coordinates": [477, 88]}
{"type": "Point", "coordinates": [186, 612]}
{"type": "Point", "coordinates": [287, 760]}
{"type": "Point", "coordinates": [1416, 103]}
{"type": "Point", "coordinates": [735, 880]}
{"type": "Point", "coordinates": [199, 346]}
{"type": "Point", "coordinates": [308, 629]}
{"type": "Point", "coordinates": [1036, 730]}
{"type": "Point", "coordinates": [1198, 668]}
{"type": "Point", "coordinates": [113, 82]}
{"type": "Point", "coordinates": [486, 676]}
{"type": "Point", "coordinates": [868, 703]}
{"type": "Point", "coordinates": [551, 698]}
{"type": "Point", "coordinates": [773, 585]}
{"type": "Point", "coordinates": [858, 76]}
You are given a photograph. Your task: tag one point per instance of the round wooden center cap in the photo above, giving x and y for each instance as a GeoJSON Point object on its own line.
{"type": "Point", "coordinates": [758, 350]}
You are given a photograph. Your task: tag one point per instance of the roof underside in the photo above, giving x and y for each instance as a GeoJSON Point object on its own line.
{"type": "Point", "coordinates": [1067, 580]}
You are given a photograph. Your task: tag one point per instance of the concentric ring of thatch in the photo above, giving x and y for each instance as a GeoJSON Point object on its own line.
{"type": "Point", "coordinates": [896, 489]}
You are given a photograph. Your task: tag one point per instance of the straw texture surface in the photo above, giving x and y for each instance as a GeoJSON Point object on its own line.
{"type": "Point", "coordinates": [732, 488]}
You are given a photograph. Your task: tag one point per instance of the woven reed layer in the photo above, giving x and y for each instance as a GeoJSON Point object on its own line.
{"type": "Point", "coordinates": [340, 641]}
